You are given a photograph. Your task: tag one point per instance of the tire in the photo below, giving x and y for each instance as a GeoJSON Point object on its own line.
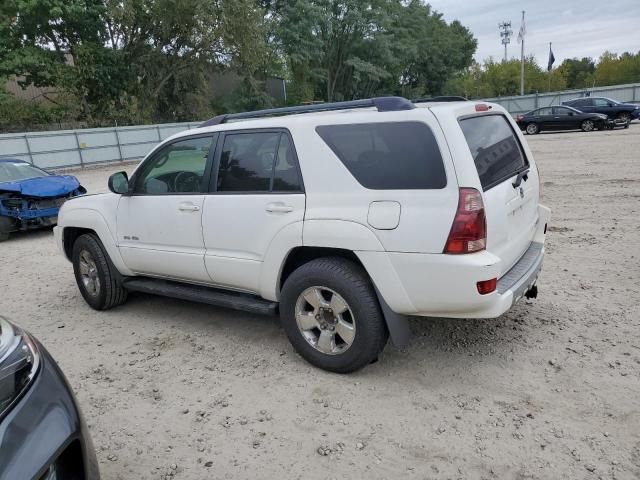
{"type": "Point", "coordinates": [587, 126]}
{"type": "Point", "coordinates": [362, 321]}
{"type": "Point", "coordinates": [532, 128]}
{"type": "Point", "coordinates": [625, 116]}
{"type": "Point", "coordinates": [6, 226]}
{"type": "Point", "coordinates": [95, 275]}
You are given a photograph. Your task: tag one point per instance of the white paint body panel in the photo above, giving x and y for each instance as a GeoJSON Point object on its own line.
{"type": "Point", "coordinates": [239, 232]}
{"type": "Point", "coordinates": [161, 235]}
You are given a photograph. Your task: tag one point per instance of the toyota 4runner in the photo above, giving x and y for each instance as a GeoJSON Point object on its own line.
{"type": "Point", "coordinates": [342, 218]}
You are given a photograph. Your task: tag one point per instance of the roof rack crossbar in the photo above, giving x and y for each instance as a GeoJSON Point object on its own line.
{"type": "Point", "coordinates": [383, 104]}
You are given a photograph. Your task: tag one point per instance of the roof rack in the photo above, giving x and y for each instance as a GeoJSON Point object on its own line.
{"type": "Point", "coordinates": [383, 104]}
{"type": "Point", "coordinates": [442, 98]}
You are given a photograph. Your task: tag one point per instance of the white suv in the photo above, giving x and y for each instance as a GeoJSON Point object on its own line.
{"type": "Point", "coordinates": [345, 218]}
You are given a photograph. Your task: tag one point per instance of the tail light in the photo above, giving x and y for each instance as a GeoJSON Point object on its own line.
{"type": "Point", "coordinates": [519, 118]}
{"type": "Point", "coordinates": [469, 231]}
{"type": "Point", "coordinates": [482, 107]}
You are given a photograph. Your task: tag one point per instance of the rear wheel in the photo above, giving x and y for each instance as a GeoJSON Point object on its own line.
{"type": "Point", "coordinates": [587, 125]}
{"type": "Point", "coordinates": [624, 116]}
{"type": "Point", "coordinates": [95, 275]}
{"type": "Point", "coordinates": [331, 315]}
{"type": "Point", "coordinates": [532, 128]}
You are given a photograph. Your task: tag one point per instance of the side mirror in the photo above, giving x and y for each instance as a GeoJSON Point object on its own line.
{"type": "Point", "coordinates": [610, 104]}
{"type": "Point", "coordinates": [571, 114]}
{"type": "Point", "coordinates": [119, 183]}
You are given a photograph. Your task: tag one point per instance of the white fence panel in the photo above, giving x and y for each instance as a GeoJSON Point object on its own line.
{"type": "Point", "coordinates": [519, 104]}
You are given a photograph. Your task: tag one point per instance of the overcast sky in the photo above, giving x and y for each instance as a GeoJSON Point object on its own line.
{"type": "Point", "coordinates": [577, 28]}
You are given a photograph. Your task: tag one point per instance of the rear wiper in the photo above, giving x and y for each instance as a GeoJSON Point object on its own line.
{"type": "Point", "coordinates": [523, 175]}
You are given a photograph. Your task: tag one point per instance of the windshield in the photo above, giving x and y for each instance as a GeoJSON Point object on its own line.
{"type": "Point", "coordinates": [16, 171]}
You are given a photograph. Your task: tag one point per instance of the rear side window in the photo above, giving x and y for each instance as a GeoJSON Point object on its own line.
{"type": "Point", "coordinates": [388, 156]}
{"type": "Point", "coordinates": [494, 147]}
{"type": "Point", "coordinates": [258, 162]}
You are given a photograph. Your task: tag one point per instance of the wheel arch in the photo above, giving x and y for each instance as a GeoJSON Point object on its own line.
{"type": "Point", "coordinates": [69, 237]}
{"type": "Point", "coordinates": [397, 324]}
{"type": "Point", "coordinates": [298, 256]}
{"type": "Point", "coordinates": [80, 221]}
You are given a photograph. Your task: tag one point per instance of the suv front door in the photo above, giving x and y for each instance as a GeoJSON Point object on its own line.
{"type": "Point", "coordinates": [159, 223]}
{"type": "Point", "coordinates": [256, 205]}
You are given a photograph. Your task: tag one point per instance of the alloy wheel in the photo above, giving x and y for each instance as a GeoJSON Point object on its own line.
{"type": "Point", "coordinates": [624, 116]}
{"type": "Point", "coordinates": [89, 273]}
{"type": "Point", "coordinates": [325, 320]}
{"type": "Point", "coordinates": [587, 125]}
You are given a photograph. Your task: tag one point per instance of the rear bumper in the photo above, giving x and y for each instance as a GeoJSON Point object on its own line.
{"type": "Point", "coordinates": [437, 285]}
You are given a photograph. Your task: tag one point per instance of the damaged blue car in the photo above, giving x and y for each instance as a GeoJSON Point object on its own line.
{"type": "Point", "coordinates": [30, 197]}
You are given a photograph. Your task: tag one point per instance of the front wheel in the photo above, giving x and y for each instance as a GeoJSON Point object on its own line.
{"type": "Point", "coordinates": [95, 275]}
{"type": "Point", "coordinates": [624, 116]}
{"type": "Point", "coordinates": [6, 226]}
{"type": "Point", "coordinates": [587, 125]}
{"type": "Point", "coordinates": [331, 315]}
{"type": "Point", "coordinates": [532, 128]}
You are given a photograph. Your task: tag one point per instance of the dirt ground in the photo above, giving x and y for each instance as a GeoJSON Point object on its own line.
{"type": "Point", "coordinates": [172, 389]}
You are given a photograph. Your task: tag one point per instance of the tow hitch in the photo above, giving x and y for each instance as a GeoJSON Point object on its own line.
{"type": "Point", "coordinates": [532, 292]}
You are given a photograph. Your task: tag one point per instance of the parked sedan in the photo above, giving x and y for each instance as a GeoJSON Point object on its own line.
{"type": "Point", "coordinates": [560, 118]}
{"type": "Point", "coordinates": [30, 197]}
{"type": "Point", "coordinates": [42, 433]}
{"type": "Point", "coordinates": [624, 112]}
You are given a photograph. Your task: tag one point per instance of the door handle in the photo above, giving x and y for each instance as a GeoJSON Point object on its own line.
{"type": "Point", "coordinates": [278, 208]}
{"type": "Point", "coordinates": [188, 207]}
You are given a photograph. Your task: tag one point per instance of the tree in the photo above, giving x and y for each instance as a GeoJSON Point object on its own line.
{"type": "Point", "coordinates": [344, 49]}
{"type": "Point", "coordinates": [578, 73]}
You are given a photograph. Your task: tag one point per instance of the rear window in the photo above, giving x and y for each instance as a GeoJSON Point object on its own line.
{"type": "Point", "coordinates": [494, 147]}
{"type": "Point", "coordinates": [388, 156]}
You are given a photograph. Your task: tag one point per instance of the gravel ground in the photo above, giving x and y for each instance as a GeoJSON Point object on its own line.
{"type": "Point", "coordinates": [173, 389]}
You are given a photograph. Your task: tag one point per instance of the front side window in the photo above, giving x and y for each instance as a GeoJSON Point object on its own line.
{"type": "Point", "coordinates": [258, 162]}
{"type": "Point", "coordinates": [563, 111]}
{"type": "Point", "coordinates": [388, 156]}
{"type": "Point", "coordinates": [177, 168]}
{"type": "Point", "coordinates": [494, 147]}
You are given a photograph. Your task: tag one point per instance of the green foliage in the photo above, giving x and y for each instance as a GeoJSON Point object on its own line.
{"type": "Point", "coordinates": [578, 73]}
{"type": "Point", "coordinates": [613, 69]}
{"type": "Point", "coordinates": [338, 50]}
{"type": "Point", "coordinates": [495, 79]}
{"type": "Point", "coordinates": [20, 115]}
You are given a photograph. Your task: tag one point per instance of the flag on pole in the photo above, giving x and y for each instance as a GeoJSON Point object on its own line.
{"type": "Point", "coordinates": [551, 59]}
{"type": "Point", "coordinates": [523, 31]}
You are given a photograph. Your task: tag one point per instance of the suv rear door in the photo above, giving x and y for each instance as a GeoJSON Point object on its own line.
{"type": "Point", "coordinates": [256, 199]}
{"type": "Point", "coordinates": [509, 181]}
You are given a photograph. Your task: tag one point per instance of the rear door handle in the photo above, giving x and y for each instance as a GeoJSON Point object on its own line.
{"type": "Point", "coordinates": [278, 208]}
{"type": "Point", "coordinates": [188, 207]}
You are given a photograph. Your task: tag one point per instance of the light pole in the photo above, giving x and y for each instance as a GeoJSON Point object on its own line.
{"type": "Point", "coordinates": [505, 34]}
